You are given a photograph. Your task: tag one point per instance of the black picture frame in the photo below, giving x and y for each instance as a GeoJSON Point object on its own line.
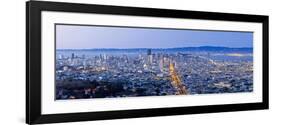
{"type": "Point", "coordinates": [33, 61]}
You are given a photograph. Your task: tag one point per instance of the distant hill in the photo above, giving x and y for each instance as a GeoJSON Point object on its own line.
{"type": "Point", "coordinates": [201, 48]}
{"type": "Point", "coordinates": [213, 48]}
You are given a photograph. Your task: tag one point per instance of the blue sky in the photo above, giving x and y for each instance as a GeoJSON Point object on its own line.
{"type": "Point", "coordinates": [87, 37]}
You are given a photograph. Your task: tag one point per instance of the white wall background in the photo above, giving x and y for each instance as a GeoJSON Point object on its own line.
{"type": "Point", "coordinates": [12, 61]}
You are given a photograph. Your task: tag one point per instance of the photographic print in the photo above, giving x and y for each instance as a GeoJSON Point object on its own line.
{"type": "Point", "coordinates": [95, 61]}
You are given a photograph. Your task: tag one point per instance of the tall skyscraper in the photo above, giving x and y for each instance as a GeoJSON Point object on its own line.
{"type": "Point", "coordinates": [72, 56]}
{"type": "Point", "coordinates": [149, 52]}
{"type": "Point", "coordinates": [149, 56]}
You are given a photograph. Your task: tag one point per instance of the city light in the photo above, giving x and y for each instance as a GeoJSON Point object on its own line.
{"type": "Point", "coordinates": [150, 72]}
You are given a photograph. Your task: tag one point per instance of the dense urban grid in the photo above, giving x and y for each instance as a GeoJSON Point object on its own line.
{"type": "Point", "coordinates": [151, 72]}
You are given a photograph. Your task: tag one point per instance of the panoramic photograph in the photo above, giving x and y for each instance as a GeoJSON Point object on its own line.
{"type": "Point", "coordinates": [114, 62]}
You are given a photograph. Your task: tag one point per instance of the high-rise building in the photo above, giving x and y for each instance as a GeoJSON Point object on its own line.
{"type": "Point", "coordinates": [72, 56]}
{"type": "Point", "coordinates": [149, 56]}
{"type": "Point", "coordinates": [161, 64]}
{"type": "Point", "coordinates": [150, 59]}
{"type": "Point", "coordinates": [104, 56]}
{"type": "Point", "coordinates": [149, 52]}
{"type": "Point", "coordinates": [60, 56]}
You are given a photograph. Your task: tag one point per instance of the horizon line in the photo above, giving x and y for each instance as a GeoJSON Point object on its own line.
{"type": "Point", "coordinates": [156, 48]}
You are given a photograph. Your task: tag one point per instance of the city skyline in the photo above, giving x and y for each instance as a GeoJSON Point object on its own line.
{"type": "Point", "coordinates": [134, 62]}
{"type": "Point", "coordinates": [96, 37]}
{"type": "Point", "coordinates": [89, 74]}
{"type": "Point", "coordinates": [156, 48]}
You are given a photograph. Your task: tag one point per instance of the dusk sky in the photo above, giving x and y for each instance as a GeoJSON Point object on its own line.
{"type": "Point", "coordinates": [87, 37]}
